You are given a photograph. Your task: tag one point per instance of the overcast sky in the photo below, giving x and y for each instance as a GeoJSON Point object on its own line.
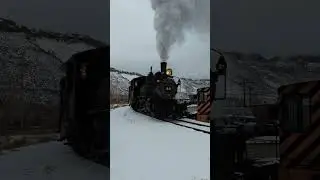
{"type": "Point", "coordinates": [133, 43]}
{"type": "Point", "coordinates": [270, 27]}
{"type": "Point", "coordinates": [90, 17]}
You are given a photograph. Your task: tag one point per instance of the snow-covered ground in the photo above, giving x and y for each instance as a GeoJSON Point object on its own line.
{"type": "Point", "coordinates": [143, 148]}
{"type": "Point", "coordinates": [49, 161]}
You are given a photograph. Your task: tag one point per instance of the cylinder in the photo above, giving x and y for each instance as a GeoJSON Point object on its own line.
{"type": "Point", "coordinates": [163, 67]}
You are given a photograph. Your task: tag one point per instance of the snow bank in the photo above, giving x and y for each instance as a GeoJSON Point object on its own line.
{"type": "Point", "coordinates": [113, 106]}
{"type": "Point", "coordinates": [266, 162]}
{"type": "Point", "coordinates": [143, 148]}
{"type": "Point", "coordinates": [192, 109]}
{"type": "Point", "coordinates": [263, 139]}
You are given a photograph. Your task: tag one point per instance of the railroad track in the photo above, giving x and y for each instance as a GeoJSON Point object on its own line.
{"type": "Point", "coordinates": [176, 122]}
{"type": "Point", "coordinates": [198, 124]}
{"type": "Point", "coordinates": [194, 128]}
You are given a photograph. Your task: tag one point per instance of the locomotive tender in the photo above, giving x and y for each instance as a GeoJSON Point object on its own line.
{"type": "Point", "coordinates": [84, 108]}
{"type": "Point", "coordinates": [154, 94]}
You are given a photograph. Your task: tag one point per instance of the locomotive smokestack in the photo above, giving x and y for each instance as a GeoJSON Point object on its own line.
{"type": "Point", "coordinates": [163, 67]}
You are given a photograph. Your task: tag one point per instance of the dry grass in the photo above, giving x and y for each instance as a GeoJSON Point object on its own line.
{"type": "Point", "coordinates": [19, 116]}
{"type": "Point", "coordinates": [20, 119]}
{"type": "Point", "coordinates": [14, 142]}
{"type": "Point", "coordinates": [118, 99]}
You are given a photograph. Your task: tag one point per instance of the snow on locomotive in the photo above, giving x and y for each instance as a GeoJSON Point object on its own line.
{"type": "Point", "coordinates": [154, 94]}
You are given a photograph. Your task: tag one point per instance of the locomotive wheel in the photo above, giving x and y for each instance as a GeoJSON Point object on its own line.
{"type": "Point", "coordinates": [82, 148]}
{"type": "Point", "coordinates": [135, 105]}
{"type": "Point", "coordinates": [82, 141]}
{"type": "Point", "coordinates": [159, 111]}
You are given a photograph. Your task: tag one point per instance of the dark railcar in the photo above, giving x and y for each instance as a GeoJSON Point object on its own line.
{"type": "Point", "coordinates": [84, 104]}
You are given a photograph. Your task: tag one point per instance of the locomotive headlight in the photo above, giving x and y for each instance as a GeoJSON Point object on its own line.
{"type": "Point", "coordinates": [169, 72]}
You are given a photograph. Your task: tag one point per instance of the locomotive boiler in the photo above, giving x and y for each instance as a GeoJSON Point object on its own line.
{"type": "Point", "coordinates": [154, 94]}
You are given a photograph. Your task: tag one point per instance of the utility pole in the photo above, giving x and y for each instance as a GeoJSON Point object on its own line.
{"type": "Point", "coordinates": [244, 93]}
{"type": "Point", "coordinates": [245, 86]}
{"type": "Point", "coordinates": [250, 100]}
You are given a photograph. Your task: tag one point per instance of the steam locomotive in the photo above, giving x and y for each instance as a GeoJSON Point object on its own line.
{"type": "Point", "coordinates": [84, 106]}
{"type": "Point", "coordinates": [154, 95]}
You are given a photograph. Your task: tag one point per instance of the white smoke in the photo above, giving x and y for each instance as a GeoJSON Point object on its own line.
{"type": "Point", "coordinates": [174, 17]}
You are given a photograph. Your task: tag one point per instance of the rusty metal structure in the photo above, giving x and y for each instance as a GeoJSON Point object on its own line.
{"type": "Point", "coordinates": [204, 104]}
{"type": "Point", "coordinates": [299, 106]}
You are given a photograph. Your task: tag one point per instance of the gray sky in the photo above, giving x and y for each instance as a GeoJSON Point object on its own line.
{"type": "Point", "coordinates": [270, 27]}
{"type": "Point", "coordinates": [76, 16]}
{"type": "Point", "coordinates": [133, 43]}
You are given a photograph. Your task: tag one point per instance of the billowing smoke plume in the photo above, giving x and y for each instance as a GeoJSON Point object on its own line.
{"type": "Point", "coordinates": [174, 17]}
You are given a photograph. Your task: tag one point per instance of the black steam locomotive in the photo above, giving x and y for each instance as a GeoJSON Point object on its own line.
{"type": "Point", "coordinates": [154, 95]}
{"type": "Point", "coordinates": [84, 108]}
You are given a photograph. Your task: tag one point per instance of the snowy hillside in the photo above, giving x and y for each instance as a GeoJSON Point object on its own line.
{"type": "Point", "coordinates": [119, 83]}
{"type": "Point", "coordinates": [266, 75]}
{"type": "Point", "coordinates": [30, 61]}
{"type": "Point", "coordinates": [262, 76]}
{"type": "Point", "coordinates": [30, 67]}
